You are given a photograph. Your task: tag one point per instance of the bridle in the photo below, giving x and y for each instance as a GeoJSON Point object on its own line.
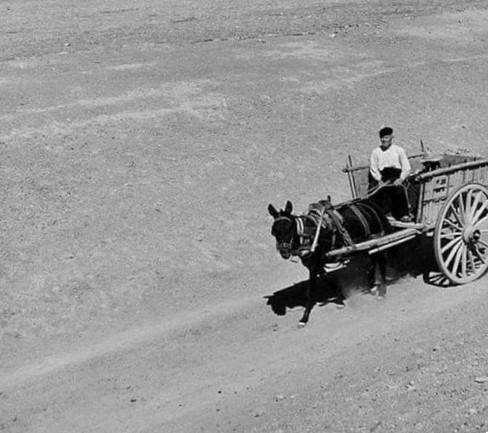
{"type": "Point", "coordinates": [301, 236]}
{"type": "Point", "coordinates": [303, 239]}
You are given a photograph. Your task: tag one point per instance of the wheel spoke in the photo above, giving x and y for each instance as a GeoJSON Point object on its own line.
{"type": "Point", "coordinates": [485, 244]}
{"type": "Point", "coordinates": [449, 235]}
{"type": "Point", "coordinates": [461, 208]}
{"type": "Point", "coordinates": [481, 221]}
{"type": "Point", "coordinates": [475, 204]}
{"type": "Point", "coordinates": [450, 244]}
{"type": "Point", "coordinates": [478, 254]}
{"type": "Point", "coordinates": [457, 260]}
{"type": "Point", "coordinates": [454, 226]}
{"type": "Point", "coordinates": [464, 267]}
{"type": "Point", "coordinates": [456, 215]}
{"type": "Point", "coordinates": [452, 254]}
{"type": "Point", "coordinates": [479, 212]}
{"type": "Point", "coordinates": [469, 199]}
{"type": "Point", "coordinates": [471, 260]}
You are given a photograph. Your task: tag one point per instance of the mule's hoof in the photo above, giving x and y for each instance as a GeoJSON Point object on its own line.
{"type": "Point", "coordinates": [302, 324]}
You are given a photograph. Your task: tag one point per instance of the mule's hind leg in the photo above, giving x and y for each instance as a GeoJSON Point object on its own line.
{"type": "Point", "coordinates": [377, 275]}
{"type": "Point", "coordinates": [372, 282]}
{"type": "Point", "coordinates": [380, 264]}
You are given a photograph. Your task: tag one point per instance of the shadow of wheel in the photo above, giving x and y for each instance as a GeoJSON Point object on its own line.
{"type": "Point", "coordinates": [437, 279]}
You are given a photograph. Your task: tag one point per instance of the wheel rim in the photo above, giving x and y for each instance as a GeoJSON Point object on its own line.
{"type": "Point", "coordinates": [461, 234]}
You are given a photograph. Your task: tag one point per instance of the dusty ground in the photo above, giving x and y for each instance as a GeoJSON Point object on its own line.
{"type": "Point", "coordinates": [141, 145]}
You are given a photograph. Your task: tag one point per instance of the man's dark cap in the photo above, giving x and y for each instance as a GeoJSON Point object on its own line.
{"type": "Point", "coordinates": [385, 131]}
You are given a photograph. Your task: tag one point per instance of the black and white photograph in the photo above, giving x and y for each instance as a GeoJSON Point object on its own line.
{"type": "Point", "coordinates": [255, 216]}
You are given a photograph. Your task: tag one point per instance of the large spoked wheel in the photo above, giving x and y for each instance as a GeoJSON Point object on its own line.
{"type": "Point", "coordinates": [461, 234]}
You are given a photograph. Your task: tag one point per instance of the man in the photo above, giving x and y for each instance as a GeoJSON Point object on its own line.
{"type": "Point", "coordinates": [389, 167]}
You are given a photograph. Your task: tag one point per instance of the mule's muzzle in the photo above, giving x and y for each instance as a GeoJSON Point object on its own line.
{"type": "Point", "coordinates": [285, 254]}
{"type": "Point", "coordinates": [285, 250]}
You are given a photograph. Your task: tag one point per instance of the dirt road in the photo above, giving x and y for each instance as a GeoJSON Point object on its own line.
{"type": "Point", "coordinates": [141, 146]}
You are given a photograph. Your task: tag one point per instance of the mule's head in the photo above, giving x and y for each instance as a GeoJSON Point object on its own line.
{"type": "Point", "coordinates": [283, 229]}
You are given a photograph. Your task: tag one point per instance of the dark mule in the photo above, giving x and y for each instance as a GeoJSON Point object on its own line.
{"type": "Point", "coordinates": [325, 228]}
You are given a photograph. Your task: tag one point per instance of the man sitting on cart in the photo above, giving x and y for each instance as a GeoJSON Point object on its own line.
{"type": "Point", "coordinates": [389, 168]}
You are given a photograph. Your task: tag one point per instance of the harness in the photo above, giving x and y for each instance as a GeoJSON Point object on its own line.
{"type": "Point", "coordinates": [305, 234]}
{"type": "Point", "coordinates": [374, 211]}
{"type": "Point", "coordinates": [364, 221]}
{"type": "Point", "coordinates": [324, 216]}
{"type": "Point", "coordinates": [327, 217]}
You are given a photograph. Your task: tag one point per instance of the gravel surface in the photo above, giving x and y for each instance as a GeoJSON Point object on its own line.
{"type": "Point", "coordinates": [141, 147]}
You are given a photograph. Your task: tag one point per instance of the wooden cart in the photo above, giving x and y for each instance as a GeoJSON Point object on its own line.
{"type": "Point", "coordinates": [452, 209]}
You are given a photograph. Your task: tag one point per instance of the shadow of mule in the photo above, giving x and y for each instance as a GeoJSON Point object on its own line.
{"type": "Point", "coordinates": [295, 296]}
{"type": "Point", "coordinates": [330, 288]}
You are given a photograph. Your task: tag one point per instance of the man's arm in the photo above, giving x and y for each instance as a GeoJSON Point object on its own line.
{"type": "Point", "coordinates": [373, 167]}
{"type": "Point", "coordinates": [405, 163]}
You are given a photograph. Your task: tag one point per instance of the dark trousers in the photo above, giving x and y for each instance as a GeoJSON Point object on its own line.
{"type": "Point", "coordinates": [413, 193]}
{"type": "Point", "coordinates": [392, 199]}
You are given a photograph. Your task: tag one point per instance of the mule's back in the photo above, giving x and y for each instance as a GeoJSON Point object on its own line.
{"type": "Point", "coordinates": [355, 221]}
{"type": "Point", "coordinates": [372, 221]}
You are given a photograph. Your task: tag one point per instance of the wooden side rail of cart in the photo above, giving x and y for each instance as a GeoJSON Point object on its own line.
{"type": "Point", "coordinates": [438, 186]}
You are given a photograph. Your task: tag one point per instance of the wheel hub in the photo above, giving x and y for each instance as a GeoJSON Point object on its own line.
{"type": "Point", "coordinates": [471, 235]}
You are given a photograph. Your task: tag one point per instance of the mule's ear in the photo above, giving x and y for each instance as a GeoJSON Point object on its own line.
{"type": "Point", "coordinates": [288, 207]}
{"type": "Point", "coordinates": [272, 211]}
{"type": "Point", "coordinates": [329, 199]}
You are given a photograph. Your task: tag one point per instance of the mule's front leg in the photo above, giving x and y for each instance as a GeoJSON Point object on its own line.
{"type": "Point", "coordinates": [309, 299]}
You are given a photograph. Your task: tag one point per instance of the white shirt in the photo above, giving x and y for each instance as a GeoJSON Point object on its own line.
{"type": "Point", "coordinates": [394, 156]}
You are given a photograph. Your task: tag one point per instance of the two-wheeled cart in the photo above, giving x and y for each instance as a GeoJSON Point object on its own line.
{"type": "Point", "coordinates": [452, 209]}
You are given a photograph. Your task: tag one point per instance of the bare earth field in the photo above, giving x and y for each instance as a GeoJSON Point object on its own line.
{"type": "Point", "coordinates": [141, 143]}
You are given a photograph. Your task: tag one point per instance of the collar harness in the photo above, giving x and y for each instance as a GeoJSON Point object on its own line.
{"type": "Point", "coordinates": [324, 216]}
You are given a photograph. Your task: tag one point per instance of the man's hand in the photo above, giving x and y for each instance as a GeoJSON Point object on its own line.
{"type": "Point", "coordinates": [397, 182]}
